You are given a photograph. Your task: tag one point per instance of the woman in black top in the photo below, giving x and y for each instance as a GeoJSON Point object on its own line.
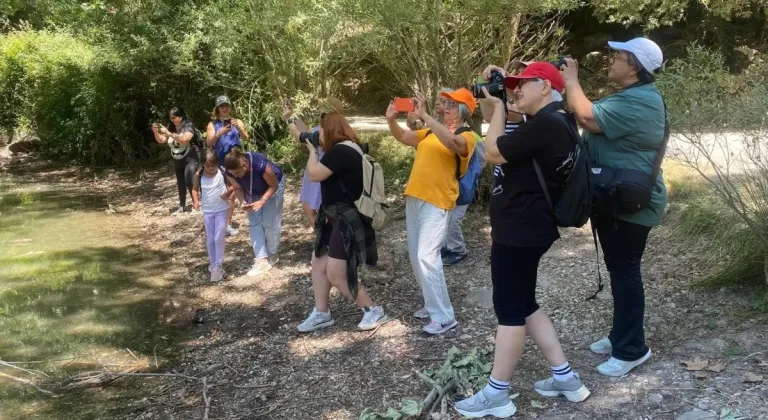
{"type": "Point", "coordinates": [523, 229]}
{"type": "Point", "coordinates": [337, 252]}
{"type": "Point", "coordinates": [184, 141]}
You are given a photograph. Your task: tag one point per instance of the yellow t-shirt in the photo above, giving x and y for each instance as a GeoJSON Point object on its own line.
{"type": "Point", "coordinates": [433, 176]}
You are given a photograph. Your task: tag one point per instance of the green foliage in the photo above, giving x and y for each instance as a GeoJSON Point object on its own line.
{"type": "Point", "coordinates": [469, 371]}
{"type": "Point", "coordinates": [655, 13]}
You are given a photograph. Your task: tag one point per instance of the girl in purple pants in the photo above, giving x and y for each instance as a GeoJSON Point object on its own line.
{"type": "Point", "coordinates": [211, 193]}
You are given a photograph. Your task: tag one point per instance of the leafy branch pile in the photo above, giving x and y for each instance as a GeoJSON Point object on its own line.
{"type": "Point", "coordinates": [460, 375]}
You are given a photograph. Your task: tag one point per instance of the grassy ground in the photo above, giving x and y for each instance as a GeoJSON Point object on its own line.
{"type": "Point", "coordinates": [701, 220]}
{"type": "Point", "coordinates": [76, 294]}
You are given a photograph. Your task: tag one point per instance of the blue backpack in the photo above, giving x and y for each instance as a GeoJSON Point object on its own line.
{"type": "Point", "coordinates": [468, 183]}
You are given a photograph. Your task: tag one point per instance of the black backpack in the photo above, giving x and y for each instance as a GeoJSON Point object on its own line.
{"type": "Point", "coordinates": [575, 204]}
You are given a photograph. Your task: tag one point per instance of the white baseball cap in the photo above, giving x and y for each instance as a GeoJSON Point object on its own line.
{"type": "Point", "coordinates": [647, 52]}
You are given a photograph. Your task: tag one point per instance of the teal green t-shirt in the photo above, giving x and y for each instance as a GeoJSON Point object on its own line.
{"type": "Point", "coordinates": [633, 131]}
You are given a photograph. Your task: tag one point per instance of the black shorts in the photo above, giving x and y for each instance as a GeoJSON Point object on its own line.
{"type": "Point", "coordinates": [333, 240]}
{"type": "Point", "coordinates": [513, 272]}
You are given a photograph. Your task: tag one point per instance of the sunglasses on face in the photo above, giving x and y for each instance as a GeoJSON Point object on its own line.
{"type": "Point", "coordinates": [526, 81]}
{"type": "Point", "coordinates": [450, 104]}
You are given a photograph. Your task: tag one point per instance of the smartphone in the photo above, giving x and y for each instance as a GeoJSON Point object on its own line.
{"type": "Point", "coordinates": [227, 123]}
{"type": "Point", "coordinates": [405, 104]}
{"type": "Point", "coordinates": [288, 102]}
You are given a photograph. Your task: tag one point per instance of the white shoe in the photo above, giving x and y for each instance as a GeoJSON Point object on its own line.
{"type": "Point", "coordinates": [372, 318]}
{"type": "Point", "coordinates": [232, 231]}
{"type": "Point", "coordinates": [316, 321]}
{"type": "Point", "coordinates": [260, 266]}
{"type": "Point", "coordinates": [479, 406]}
{"type": "Point", "coordinates": [615, 367]}
{"type": "Point", "coordinates": [422, 313]}
{"type": "Point", "coordinates": [601, 346]}
{"type": "Point", "coordinates": [435, 327]}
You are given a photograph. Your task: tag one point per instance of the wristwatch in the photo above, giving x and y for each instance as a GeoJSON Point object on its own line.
{"type": "Point", "coordinates": [290, 120]}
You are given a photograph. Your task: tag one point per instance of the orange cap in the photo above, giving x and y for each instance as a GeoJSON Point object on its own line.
{"type": "Point", "coordinates": [462, 96]}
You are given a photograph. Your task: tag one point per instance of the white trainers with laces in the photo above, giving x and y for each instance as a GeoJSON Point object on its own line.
{"type": "Point", "coordinates": [316, 320]}
{"type": "Point", "coordinates": [615, 367]}
{"type": "Point", "coordinates": [601, 346]}
{"type": "Point", "coordinates": [260, 266]}
{"type": "Point", "coordinates": [372, 318]}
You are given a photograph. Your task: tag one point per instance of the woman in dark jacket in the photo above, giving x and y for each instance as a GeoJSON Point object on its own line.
{"type": "Point", "coordinates": [184, 141]}
{"type": "Point", "coordinates": [344, 240]}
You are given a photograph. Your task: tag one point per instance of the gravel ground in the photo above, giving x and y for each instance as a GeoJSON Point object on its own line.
{"type": "Point", "coordinates": [258, 366]}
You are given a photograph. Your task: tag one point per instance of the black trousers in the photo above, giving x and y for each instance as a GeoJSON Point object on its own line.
{"type": "Point", "coordinates": [185, 174]}
{"type": "Point", "coordinates": [623, 244]}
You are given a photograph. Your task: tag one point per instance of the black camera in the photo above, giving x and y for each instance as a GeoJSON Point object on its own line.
{"type": "Point", "coordinates": [495, 87]}
{"type": "Point", "coordinates": [311, 137]}
{"type": "Point", "coordinates": [560, 62]}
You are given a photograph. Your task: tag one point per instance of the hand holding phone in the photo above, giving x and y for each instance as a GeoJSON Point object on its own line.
{"type": "Point", "coordinates": [405, 104]}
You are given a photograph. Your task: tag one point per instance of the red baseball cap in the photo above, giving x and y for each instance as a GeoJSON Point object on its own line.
{"type": "Point", "coordinates": [538, 70]}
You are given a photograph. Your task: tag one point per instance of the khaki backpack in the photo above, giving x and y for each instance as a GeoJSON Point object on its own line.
{"type": "Point", "coordinates": [373, 201]}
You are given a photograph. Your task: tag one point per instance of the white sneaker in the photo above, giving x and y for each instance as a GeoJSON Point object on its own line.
{"type": "Point", "coordinates": [372, 318]}
{"type": "Point", "coordinates": [572, 388]}
{"type": "Point", "coordinates": [316, 321]}
{"type": "Point", "coordinates": [178, 211]}
{"type": "Point", "coordinates": [422, 313]}
{"type": "Point", "coordinates": [615, 367]}
{"type": "Point", "coordinates": [601, 346]}
{"type": "Point", "coordinates": [232, 231]}
{"type": "Point", "coordinates": [479, 406]}
{"type": "Point", "coordinates": [260, 266]}
{"type": "Point", "coordinates": [435, 327]}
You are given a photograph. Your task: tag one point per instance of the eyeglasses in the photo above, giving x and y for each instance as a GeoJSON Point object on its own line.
{"type": "Point", "coordinates": [523, 82]}
{"type": "Point", "coordinates": [614, 55]}
{"type": "Point", "coordinates": [450, 104]}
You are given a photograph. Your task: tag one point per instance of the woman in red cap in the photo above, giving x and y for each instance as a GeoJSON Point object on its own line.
{"type": "Point", "coordinates": [431, 194]}
{"type": "Point", "coordinates": [523, 229]}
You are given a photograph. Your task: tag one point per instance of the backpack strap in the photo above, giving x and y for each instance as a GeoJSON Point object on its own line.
{"type": "Point", "coordinates": [560, 116]}
{"type": "Point", "coordinates": [353, 145]}
{"type": "Point", "coordinates": [662, 149]}
{"type": "Point", "coordinates": [543, 184]}
{"type": "Point", "coordinates": [597, 261]}
{"type": "Point", "coordinates": [458, 131]}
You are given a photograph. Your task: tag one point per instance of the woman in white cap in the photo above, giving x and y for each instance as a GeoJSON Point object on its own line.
{"type": "Point", "coordinates": [224, 134]}
{"type": "Point", "coordinates": [625, 131]}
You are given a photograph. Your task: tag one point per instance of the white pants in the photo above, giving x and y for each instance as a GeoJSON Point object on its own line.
{"type": "Point", "coordinates": [454, 238]}
{"type": "Point", "coordinates": [426, 225]}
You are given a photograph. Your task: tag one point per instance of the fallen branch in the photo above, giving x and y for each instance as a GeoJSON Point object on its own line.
{"type": "Point", "coordinates": [100, 378]}
{"type": "Point", "coordinates": [206, 399]}
{"type": "Point", "coordinates": [253, 386]}
{"type": "Point", "coordinates": [28, 383]}
{"type": "Point", "coordinates": [31, 372]}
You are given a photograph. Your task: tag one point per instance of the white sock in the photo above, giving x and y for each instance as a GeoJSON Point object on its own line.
{"type": "Point", "coordinates": [495, 388]}
{"type": "Point", "coordinates": [563, 372]}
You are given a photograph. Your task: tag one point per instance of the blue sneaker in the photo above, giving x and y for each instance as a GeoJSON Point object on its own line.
{"type": "Point", "coordinates": [453, 258]}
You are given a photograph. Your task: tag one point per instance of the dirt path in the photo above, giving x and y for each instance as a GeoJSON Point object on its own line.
{"type": "Point", "coordinates": [259, 366]}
